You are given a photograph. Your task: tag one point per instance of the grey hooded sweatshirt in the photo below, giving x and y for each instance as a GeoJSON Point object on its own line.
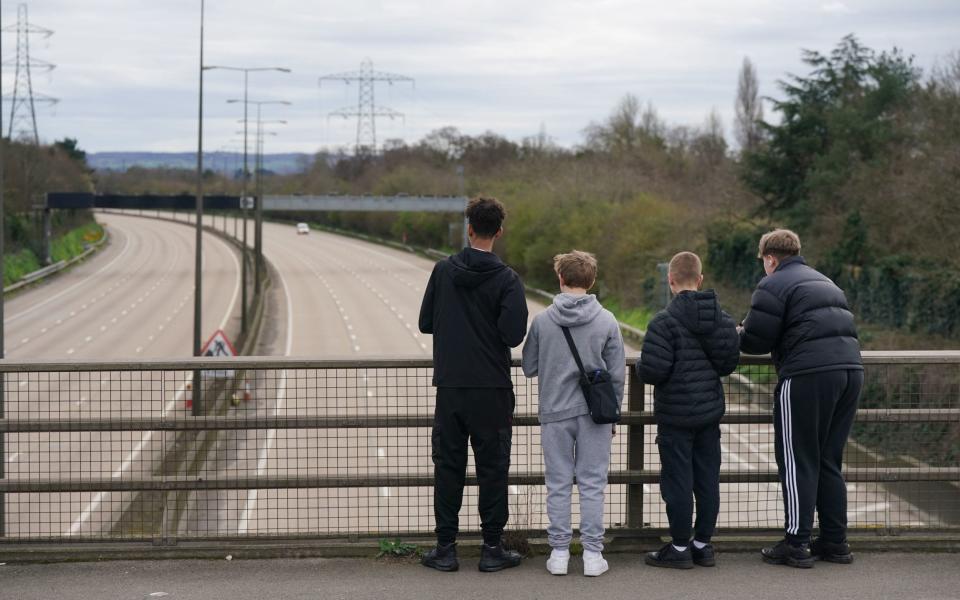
{"type": "Point", "coordinates": [546, 354]}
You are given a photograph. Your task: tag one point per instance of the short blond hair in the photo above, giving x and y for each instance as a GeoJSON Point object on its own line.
{"type": "Point", "coordinates": [578, 269]}
{"type": "Point", "coordinates": [779, 243]}
{"type": "Point", "coordinates": [686, 268]}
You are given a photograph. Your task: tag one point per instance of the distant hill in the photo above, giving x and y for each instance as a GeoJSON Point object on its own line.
{"type": "Point", "coordinates": [224, 162]}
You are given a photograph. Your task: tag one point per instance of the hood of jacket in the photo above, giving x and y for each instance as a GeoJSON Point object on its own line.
{"type": "Point", "coordinates": [699, 312]}
{"type": "Point", "coordinates": [569, 310]}
{"type": "Point", "coordinates": [471, 267]}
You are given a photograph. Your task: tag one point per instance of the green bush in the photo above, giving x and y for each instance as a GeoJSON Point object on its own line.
{"type": "Point", "coordinates": [19, 264]}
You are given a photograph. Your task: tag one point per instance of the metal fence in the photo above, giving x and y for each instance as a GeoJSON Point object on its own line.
{"type": "Point", "coordinates": [291, 448]}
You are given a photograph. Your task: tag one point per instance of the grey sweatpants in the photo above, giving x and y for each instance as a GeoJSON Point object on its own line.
{"type": "Point", "coordinates": [576, 447]}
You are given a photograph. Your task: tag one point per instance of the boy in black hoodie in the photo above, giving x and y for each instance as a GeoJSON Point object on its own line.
{"type": "Point", "coordinates": [687, 349]}
{"type": "Point", "coordinates": [475, 307]}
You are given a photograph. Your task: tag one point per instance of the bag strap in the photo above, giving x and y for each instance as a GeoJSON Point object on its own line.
{"type": "Point", "coordinates": [573, 350]}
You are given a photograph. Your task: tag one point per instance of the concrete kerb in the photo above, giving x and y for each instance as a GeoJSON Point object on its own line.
{"type": "Point", "coordinates": [41, 275]}
{"type": "Point", "coordinates": [467, 546]}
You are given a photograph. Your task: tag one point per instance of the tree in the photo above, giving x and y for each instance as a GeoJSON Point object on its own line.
{"type": "Point", "coordinates": [627, 129]}
{"type": "Point", "coordinates": [72, 150]}
{"type": "Point", "coordinates": [844, 113]}
{"type": "Point", "coordinates": [748, 108]}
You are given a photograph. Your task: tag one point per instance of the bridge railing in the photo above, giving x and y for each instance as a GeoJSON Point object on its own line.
{"type": "Point", "coordinates": [291, 448]}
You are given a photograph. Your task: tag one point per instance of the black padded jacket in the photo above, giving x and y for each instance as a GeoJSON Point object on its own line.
{"type": "Point", "coordinates": [475, 307]}
{"type": "Point", "coordinates": [687, 349]}
{"type": "Point", "coordinates": [802, 318]}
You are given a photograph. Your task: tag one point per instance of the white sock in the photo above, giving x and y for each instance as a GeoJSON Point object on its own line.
{"type": "Point", "coordinates": [679, 548]}
{"type": "Point", "coordinates": [561, 552]}
{"type": "Point", "coordinates": [699, 545]}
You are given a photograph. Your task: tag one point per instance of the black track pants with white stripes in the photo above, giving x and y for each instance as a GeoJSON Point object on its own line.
{"type": "Point", "coordinates": [812, 417]}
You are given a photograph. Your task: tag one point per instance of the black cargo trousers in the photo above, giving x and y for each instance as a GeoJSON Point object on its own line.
{"type": "Point", "coordinates": [812, 418]}
{"type": "Point", "coordinates": [484, 418]}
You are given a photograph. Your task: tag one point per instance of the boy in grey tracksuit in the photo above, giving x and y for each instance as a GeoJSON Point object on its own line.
{"type": "Point", "coordinates": [573, 445]}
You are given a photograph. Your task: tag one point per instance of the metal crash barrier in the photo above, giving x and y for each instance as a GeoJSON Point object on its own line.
{"type": "Point", "coordinates": [290, 448]}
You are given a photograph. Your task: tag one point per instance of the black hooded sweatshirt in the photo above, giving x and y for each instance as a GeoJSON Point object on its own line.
{"type": "Point", "coordinates": [687, 349]}
{"type": "Point", "coordinates": [476, 310]}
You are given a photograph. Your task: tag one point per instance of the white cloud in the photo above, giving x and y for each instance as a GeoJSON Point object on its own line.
{"type": "Point", "coordinates": [836, 8]}
{"type": "Point", "coordinates": [127, 69]}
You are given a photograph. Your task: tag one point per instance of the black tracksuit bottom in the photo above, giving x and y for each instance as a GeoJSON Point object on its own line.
{"type": "Point", "coordinates": [484, 417]}
{"type": "Point", "coordinates": [690, 467]}
{"type": "Point", "coordinates": [812, 417]}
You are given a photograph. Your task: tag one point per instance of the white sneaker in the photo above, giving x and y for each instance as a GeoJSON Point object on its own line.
{"type": "Point", "coordinates": [594, 565]}
{"type": "Point", "coordinates": [558, 562]}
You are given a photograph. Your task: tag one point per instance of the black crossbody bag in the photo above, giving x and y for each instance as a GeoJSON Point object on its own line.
{"type": "Point", "coordinates": [597, 389]}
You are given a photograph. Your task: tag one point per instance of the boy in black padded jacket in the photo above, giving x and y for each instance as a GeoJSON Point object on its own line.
{"type": "Point", "coordinates": [687, 349]}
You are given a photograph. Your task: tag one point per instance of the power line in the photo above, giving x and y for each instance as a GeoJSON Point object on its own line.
{"type": "Point", "coordinates": [23, 100]}
{"type": "Point", "coordinates": [367, 110]}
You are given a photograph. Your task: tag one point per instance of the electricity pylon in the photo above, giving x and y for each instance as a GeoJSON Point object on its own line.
{"type": "Point", "coordinates": [367, 110]}
{"type": "Point", "coordinates": [23, 114]}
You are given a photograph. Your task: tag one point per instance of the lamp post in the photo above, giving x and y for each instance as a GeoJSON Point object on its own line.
{"type": "Point", "coordinates": [243, 208]}
{"type": "Point", "coordinates": [198, 263]}
{"type": "Point", "coordinates": [258, 219]}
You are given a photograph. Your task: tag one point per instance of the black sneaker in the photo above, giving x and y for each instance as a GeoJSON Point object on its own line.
{"type": "Point", "coordinates": [785, 553]}
{"type": "Point", "coordinates": [495, 558]}
{"type": "Point", "coordinates": [831, 551]}
{"type": "Point", "coordinates": [704, 557]}
{"type": "Point", "coordinates": [670, 557]}
{"type": "Point", "coordinates": [442, 558]}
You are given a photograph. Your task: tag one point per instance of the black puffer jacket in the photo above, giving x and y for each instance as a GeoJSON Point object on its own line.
{"type": "Point", "coordinates": [802, 318]}
{"type": "Point", "coordinates": [476, 309]}
{"type": "Point", "coordinates": [686, 350]}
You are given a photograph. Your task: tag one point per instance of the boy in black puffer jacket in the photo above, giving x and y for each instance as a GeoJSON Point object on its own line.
{"type": "Point", "coordinates": [801, 317]}
{"type": "Point", "coordinates": [687, 349]}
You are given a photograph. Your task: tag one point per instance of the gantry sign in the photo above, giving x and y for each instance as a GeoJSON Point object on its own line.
{"type": "Point", "coordinates": [295, 203]}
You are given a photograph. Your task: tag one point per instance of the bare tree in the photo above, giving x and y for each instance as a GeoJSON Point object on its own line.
{"type": "Point", "coordinates": [749, 109]}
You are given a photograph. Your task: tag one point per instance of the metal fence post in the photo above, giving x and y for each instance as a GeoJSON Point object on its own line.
{"type": "Point", "coordinates": [635, 451]}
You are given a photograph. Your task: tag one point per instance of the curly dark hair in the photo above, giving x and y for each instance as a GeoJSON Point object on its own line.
{"type": "Point", "coordinates": [486, 215]}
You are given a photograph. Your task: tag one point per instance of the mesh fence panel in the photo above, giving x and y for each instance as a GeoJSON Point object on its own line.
{"type": "Point", "coordinates": [313, 449]}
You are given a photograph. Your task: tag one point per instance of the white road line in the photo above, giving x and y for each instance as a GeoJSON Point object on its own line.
{"type": "Point", "coordinates": [736, 458]}
{"type": "Point", "coordinates": [148, 435]}
{"type": "Point", "coordinates": [871, 508]}
{"type": "Point", "coordinates": [264, 453]}
{"type": "Point", "coordinates": [13, 457]}
{"type": "Point", "coordinates": [34, 307]}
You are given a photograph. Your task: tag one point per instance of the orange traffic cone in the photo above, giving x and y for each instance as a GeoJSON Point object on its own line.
{"type": "Point", "coordinates": [188, 396]}
{"type": "Point", "coordinates": [247, 391]}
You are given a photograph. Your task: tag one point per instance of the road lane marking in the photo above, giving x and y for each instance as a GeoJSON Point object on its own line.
{"type": "Point", "coordinates": [13, 457]}
{"type": "Point", "coordinates": [146, 436]}
{"type": "Point", "coordinates": [264, 453]}
{"type": "Point", "coordinates": [34, 307]}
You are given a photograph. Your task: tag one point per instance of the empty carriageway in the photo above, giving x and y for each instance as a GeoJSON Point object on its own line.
{"type": "Point", "coordinates": [131, 300]}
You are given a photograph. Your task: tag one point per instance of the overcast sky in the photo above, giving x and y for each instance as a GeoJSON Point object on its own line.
{"type": "Point", "coordinates": [126, 70]}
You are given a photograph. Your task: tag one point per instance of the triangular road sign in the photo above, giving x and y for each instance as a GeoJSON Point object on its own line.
{"type": "Point", "coordinates": [218, 345]}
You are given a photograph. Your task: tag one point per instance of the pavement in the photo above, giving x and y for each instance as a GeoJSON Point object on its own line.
{"type": "Point", "coordinates": [736, 576]}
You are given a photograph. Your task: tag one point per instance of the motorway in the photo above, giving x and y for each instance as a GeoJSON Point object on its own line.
{"type": "Point", "coordinates": [131, 300]}
{"type": "Point", "coordinates": [331, 297]}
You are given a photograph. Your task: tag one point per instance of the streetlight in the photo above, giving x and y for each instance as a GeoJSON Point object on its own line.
{"type": "Point", "coordinates": [243, 207]}
{"type": "Point", "coordinates": [198, 265]}
{"type": "Point", "coordinates": [258, 226]}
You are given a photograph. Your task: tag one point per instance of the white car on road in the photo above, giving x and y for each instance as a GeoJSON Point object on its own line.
{"type": "Point", "coordinates": [303, 229]}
